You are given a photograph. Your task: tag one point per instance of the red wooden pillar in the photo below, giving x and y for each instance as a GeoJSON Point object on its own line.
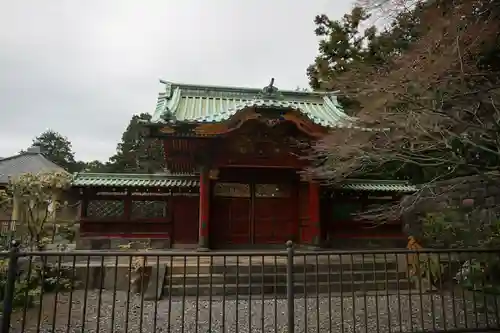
{"type": "Point", "coordinates": [82, 213]}
{"type": "Point", "coordinates": [203, 239]}
{"type": "Point", "coordinates": [314, 213]}
{"type": "Point", "coordinates": [82, 210]}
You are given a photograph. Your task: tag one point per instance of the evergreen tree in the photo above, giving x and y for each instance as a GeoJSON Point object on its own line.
{"type": "Point", "coordinates": [94, 166]}
{"type": "Point", "coordinates": [136, 153]}
{"type": "Point", "coordinates": [344, 47]}
{"type": "Point", "coordinates": [58, 149]}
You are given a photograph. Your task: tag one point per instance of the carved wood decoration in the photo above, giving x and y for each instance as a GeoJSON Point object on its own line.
{"type": "Point", "coordinates": [270, 117]}
{"type": "Point", "coordinates": [250, 138]}
{"type": "Point", "coordinates": [255, 144]}
{"type": "Point", "coordinates": [185, 154]}
{"type": "Point", "coordinates": [272, 190]}
{"type": "Point", "coordinates": [232, 190]}
{"type": "Point", "coordinates": [213, 174]}
{"type": "Point", "coordinates": [167, 130]}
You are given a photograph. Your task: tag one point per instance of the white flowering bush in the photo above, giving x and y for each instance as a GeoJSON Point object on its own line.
{"type": "Point", "coordinates": [4, 198]}
{"type": "Point", "coordinates": [36, 199]}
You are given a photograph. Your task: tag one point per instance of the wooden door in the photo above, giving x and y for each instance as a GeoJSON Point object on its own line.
{"type": "Point", "coordinates": [185, 219]}
{"type": "Point", "coordinates": [273, 221]}
{"type": "Point", "coordinates": [253, 214]}
{"type": "Point", "coordinates": [274, 213]}
{"type": "Point", "coordinates": [231, 213]}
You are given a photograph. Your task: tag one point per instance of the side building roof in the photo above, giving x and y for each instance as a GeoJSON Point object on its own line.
{"type": "Point", "coordinates": [117, 180]}
{"type": "Point", "coordinates": [30, 161]}
{"type": "Point", "coordinates": [211, 104]}
{"type": "Point", "coordinates": [134, 180]}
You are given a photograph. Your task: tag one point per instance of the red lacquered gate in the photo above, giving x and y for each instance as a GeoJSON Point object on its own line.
{"type": "Point", "coordinates": [244, 214]}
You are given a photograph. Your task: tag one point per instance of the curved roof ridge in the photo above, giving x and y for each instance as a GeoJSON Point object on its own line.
{"type": "Point", "coordinates": [239, 88]}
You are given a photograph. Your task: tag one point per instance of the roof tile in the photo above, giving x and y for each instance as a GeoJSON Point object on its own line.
{"type": "Point", "coordinates": [192, 103]}
{"type": "Point", "coordinates": [132, 180]}
{"type": "Point", "coordinates": [191, 181]}
{"type": "Point", "coordinates": [27, 162]}
{"type": "Point", "coordinates": [378, 185]}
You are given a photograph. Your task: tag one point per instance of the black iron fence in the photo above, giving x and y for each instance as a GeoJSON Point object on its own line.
{"type": "Point", "coordinates": [257, 291]}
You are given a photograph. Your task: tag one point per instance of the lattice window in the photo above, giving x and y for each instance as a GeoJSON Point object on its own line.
{"type": "Point", "coordinates": [234, 190]}
{"type": "Point", "coordinates": [105, 209]}
{"type": "Point", "coordinates": [142, 209]}
{"type": "Point", "coordinates": [272, 191]}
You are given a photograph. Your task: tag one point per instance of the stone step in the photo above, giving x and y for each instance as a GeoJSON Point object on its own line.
{"type": "Point", "coordinates": [269, 277]}
{"type": "Point", "coordinates": [243, 268]}
{"type": "Point", "coordinates": [156, 283]}
{"type": "Point", "coordinates": [281, 289]}
{"type": "Point", "coordinates": [346, 277]}
{"type": "Point", "coordinates": [280, 259]}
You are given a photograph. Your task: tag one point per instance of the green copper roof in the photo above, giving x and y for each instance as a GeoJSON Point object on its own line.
{"type": "Point", "coordinates": [193, 103]}
{"type": "Point", "coordinates": [191, 181]}
{"type": "Point", "coordinates": [378, 185]}
{"type": "Point", "coordinates": [132, 180]}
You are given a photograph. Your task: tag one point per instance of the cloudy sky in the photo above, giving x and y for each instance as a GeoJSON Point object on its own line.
{"type": "Point", "coordinates": [84, 67]}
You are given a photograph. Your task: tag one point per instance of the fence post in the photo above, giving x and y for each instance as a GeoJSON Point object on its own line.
{"type": "Point", "coordinates": [289, 287]}
{"type": "Point", "coordinates": [10, 287]}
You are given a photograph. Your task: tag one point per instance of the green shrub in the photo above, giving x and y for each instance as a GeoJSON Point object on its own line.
{"type": "Point", "coordinates": [32, 278]}
{"type": "Point", "coordinates": [457, 228]}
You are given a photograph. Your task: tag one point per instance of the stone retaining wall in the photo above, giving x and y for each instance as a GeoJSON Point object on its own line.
{"type": "Point", "coordinates": [480, 194]}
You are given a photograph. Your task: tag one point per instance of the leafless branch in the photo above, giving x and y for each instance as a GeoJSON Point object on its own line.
{"type": "Point", "coordinates": [434, 101]}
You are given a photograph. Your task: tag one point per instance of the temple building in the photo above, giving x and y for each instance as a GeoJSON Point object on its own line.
{"type": "Point", "coordinates": [234, 159]}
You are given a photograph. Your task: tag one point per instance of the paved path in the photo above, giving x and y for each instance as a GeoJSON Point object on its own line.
{"type": "Point", "coordinates": [107, 312]}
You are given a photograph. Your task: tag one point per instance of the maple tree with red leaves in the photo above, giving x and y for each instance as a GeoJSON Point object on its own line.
{"type": "Point", "coordinates": [427, 87]}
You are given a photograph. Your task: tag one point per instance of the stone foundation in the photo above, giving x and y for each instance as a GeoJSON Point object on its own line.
{"type": "Point", "coordinates": [98, 243]}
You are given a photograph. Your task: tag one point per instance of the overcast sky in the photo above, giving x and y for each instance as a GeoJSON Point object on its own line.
{"type": "Point", "coordinates": [83, 68]}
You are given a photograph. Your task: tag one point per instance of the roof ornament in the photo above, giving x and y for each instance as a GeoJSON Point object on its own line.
{"type": "Point", "coordinates": [335, 100]}
{"type": "Point", "coordinates": [168, 116]}
{"type": "Point", "coordinates": [270, 92]}
{"type": "Point", "coordinates": [168, 88]}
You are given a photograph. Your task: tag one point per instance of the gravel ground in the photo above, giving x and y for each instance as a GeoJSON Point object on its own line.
{"type": "Point", "coordinates": [365, 314]}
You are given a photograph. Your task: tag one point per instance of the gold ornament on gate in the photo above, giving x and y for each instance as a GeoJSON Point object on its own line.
{"type": "Point", "coordinates": [213, 174]}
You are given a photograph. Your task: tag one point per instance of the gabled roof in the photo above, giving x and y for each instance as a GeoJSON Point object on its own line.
{"type": "Point", "coordinates": [192, 181]}
{"type": "Point", "coordinates": [209, 104]}
{"type": "Point", "coordinates": [31, 161]}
